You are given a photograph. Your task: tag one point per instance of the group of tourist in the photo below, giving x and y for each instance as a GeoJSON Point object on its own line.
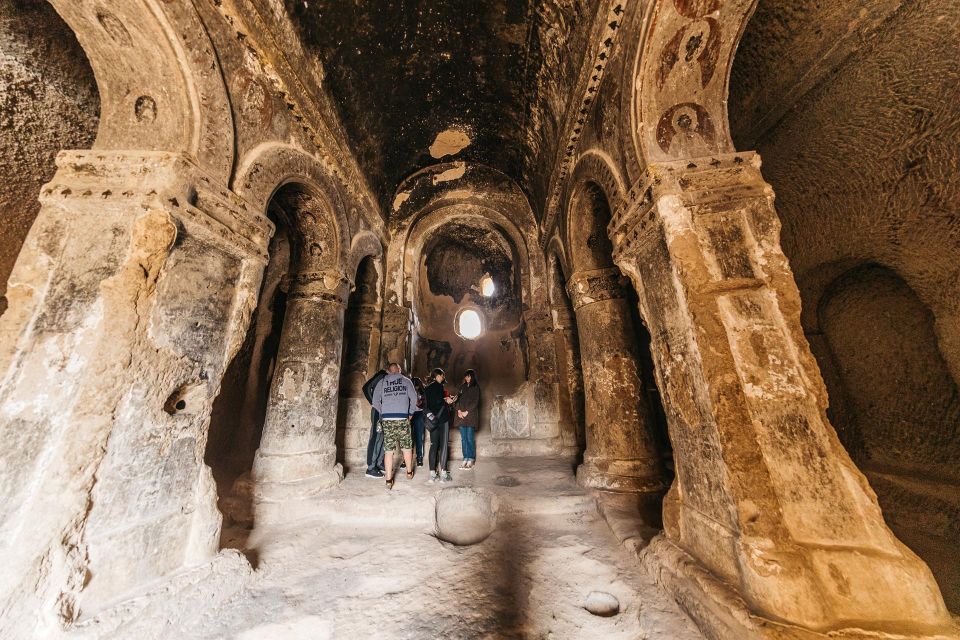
{"type": "Point", "coordinates": [404, 410]}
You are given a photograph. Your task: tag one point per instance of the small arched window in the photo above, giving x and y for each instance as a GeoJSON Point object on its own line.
{"type": "Point", "coordinates": [469, 324]}
{"type": "Point", "coordinates": [487, 286]}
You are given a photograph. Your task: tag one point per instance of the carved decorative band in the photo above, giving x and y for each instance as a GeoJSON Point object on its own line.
{"type": "Point", "coordinates": [705, 185]}
{"type": "Point", "coordinates": [597, 285]}
{"type": "Point", "coordinates": [163, 180]}
{"type": "Point", "coordinates": [332, 286]}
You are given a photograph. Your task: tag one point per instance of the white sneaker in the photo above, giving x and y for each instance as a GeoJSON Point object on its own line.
{"type": "Point", "coordinates": [432, 478]}
{"type": "Point", "coordinates": [445, 477]}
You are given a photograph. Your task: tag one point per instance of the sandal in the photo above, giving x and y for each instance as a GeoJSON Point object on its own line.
{"type": "Point", "coordinates": [390, 484]}
{"type": "Point", "coordinates": [410, 474]}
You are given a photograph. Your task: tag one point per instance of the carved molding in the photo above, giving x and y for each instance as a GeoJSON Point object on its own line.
{"type": "Point", "coordinates": [578, 114]}
{"type": "Point", "coordinates": [307, 103]}
{"type": "Point", "coordinates": [595, 285]}
{"type": "Point", "coordinates": [330, 285]}
{"type": "Point", "coordinates": [169, 181]}
{"type": "Point", "coordinates": [706, 185]}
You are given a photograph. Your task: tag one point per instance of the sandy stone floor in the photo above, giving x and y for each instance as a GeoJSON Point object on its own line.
{"type": "Point", "coordinates": [373, 567]}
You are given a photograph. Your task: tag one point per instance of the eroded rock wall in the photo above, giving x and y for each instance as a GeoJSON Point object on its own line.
{"type": "Point", "coordinates": [48, 102]}
{"type": "Point", "coordinates": [853, 109]}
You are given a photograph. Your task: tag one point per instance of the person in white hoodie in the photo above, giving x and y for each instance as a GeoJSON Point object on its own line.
{"type": "Point", "coordinates": [396, 399]}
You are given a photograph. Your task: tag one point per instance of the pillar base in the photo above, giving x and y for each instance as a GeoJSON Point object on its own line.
{"type": "Point", "coordinates": [297, 476]}
{"type": "Point", "coordinates": [634, 476]}
{"type": "Point", "coordinates": [721, 613]}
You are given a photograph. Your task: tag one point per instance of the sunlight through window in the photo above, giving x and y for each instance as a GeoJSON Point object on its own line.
{"type": "Point", "coordinates": [487, 287]}
{"type": "Point", "coordinates": [469, 325]}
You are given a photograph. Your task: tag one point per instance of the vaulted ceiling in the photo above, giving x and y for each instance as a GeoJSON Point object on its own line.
{"type": "Point", "coordinates": [500, 72]}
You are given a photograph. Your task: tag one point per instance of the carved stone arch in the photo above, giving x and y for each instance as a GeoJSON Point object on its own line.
{"type": "Point", "coordinates": [364, 244]}
{"type": "Point", "coordinates": [161, 86]}
{"type": "Point", "coordinates": [431, 219]}
{"type": "Point", "coordinates": [680, 78]}
{"type": "Point", "coordinates": [556, 250]}
{"type": "Point", "coordinates": [423, 192]}
{"type": "Point", "coordinates": [270, 166]}
{"type": "Point", "coordinates": [580, 188]}
{"type": "Point", "coordinates": [594, 166]}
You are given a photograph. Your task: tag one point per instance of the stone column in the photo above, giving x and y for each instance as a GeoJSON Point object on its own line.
{"type": "Point", "coordinates": [131, 294]}
{"type": "Point", "coordinates": [545, 387]}
{"type": "Point", "coordinates": [297, 457]}
{"type": "Point", "coordinates": [571, 381]}
{"type": "Point", "coordinates": [765, 496]}
{"type": "Point", "coordinates": [395, 336]}
{"type": "Point", "coordinates": [363, 330]}
{"type": "Point", "coordinates": [620, 453]}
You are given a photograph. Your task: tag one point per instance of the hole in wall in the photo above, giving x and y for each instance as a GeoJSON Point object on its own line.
{"type": "Point", "coordinates": [469, 324]}
{"type": "Point", "coordinates": [185, 399]}
{"type": "Point", "coordinates": [487, 286]}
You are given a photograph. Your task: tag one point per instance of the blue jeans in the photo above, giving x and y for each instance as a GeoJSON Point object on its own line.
{"type": "Point", "coordinates": [468, 441]}
{"type": "Point", "coordinates": [418, 431]}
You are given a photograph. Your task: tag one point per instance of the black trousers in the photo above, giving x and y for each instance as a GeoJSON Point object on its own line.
{"type": "Point", "coordinates": [375, 443]}
{"type": "Point", "coordinates": [439, 447]}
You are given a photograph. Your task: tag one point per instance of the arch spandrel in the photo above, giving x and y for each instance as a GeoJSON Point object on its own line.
{"type": "Point", "coordinates": [680, 78]}
{"type": "Point", "coordinates": [161, 87]}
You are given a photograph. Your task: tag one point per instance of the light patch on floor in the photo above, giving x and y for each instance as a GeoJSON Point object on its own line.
{"type": "Point", "coordinates": [370, 566]}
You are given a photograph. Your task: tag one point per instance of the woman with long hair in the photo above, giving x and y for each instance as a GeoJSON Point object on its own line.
{"type": "Point", "coordinates": [467, 417]}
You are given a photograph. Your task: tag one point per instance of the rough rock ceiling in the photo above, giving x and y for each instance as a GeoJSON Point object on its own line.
{"type": "Point", "coordinates": [403, 71]}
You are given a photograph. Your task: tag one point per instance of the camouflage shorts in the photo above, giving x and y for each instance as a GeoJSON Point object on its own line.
{"type": "Point", "coordinates": [396, 433]}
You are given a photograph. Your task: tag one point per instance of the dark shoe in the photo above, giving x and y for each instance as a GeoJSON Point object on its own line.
{"type": "Point", "coordinates": [403, 464]}
{"type": "Point", "coordinates": [376, 473]}
{"type": "Point", "coordinates": [419, 462]}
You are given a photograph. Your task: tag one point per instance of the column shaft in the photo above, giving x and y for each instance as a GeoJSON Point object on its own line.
{"type": "Point", "coordinates": [620, 453]}
{"type": "Point", "coordinates": [297, 457]}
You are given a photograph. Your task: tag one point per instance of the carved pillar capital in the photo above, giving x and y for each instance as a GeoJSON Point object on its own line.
{"type": "Point", "coordinates": [706, 185]}
{"type": "Point", "coordinates": [168, 181]}
{"type": "Point", "coordinates": [595, 285]}
{"type": "Point", "coordinates": [331, 285]}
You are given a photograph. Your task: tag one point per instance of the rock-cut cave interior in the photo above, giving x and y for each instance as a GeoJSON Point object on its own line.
{"type": "Point", "coordinates": [690, 270]}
